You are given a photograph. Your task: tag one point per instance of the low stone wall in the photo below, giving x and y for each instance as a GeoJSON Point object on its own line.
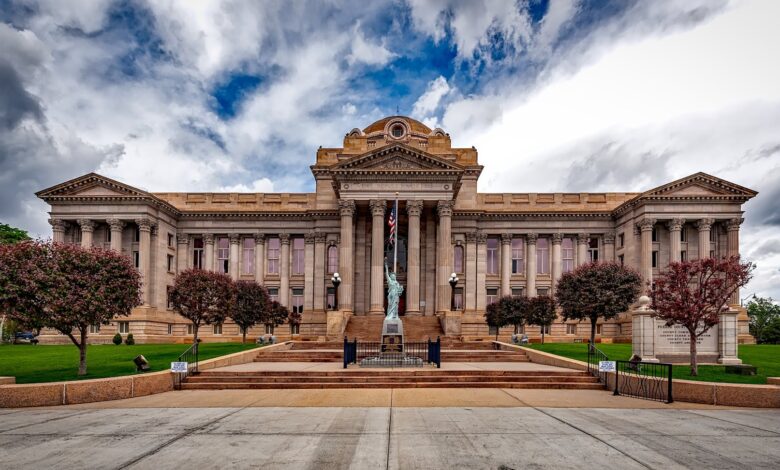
{"type": "Point", "coordinates": [693, 391]}
{"type": "Point", "coordinates": [113, 388]}
{"type": "Point", "coordinates": [7, 380]}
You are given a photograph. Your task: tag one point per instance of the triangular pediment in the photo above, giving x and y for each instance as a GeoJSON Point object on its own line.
{"type": "Point", "coordinates": [91, 185]}
{"type": "Point", "coordinates": [397, 157]}
{"type": "Point", "coordinates": [700, 184]}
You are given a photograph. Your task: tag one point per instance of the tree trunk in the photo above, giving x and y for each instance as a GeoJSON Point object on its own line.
{"type": "Point", "coordinates": [2, 326]}
{"type": "Point", "coordinates": [593, 330]}
{"type": "Point", "coordinates": [194, 332]}
{"type": "Point", "coordinates": [243, 339]}
{"type": "Point", "coordinates": [542, 334]}
{"type": "Point", "coordinates": [83, 353]}
{"type": "Point", "coordinates": [694, 359]}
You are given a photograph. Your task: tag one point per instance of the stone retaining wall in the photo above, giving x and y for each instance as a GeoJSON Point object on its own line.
{"type": "Point", "coordinates": [711, 393]}
{"type": "Point", "coordinates": [113, 388]}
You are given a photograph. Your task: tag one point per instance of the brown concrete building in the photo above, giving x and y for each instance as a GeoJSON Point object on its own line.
{"type": "Point", "coordinates": [497, 243]}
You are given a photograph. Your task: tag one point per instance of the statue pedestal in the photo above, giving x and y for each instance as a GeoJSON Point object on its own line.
{"type": "Point", "coordinates": [392, 336]}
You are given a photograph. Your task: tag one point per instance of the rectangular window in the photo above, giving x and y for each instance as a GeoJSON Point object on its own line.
{"type": "Point", "coordinates": [655, 234]}
{"type": "Point", "coordinates": [655, 258]}
{"type": "Point", "coordinates": [517, 292]}
{"type": "Point", "coordinates": [567, 254]}
{"type": "Point", "coordinates": [542, 291]}
{"type": "Point", "coordinates": [621, 240]}
{"type": "Point", "coordinates": [518, 248]}
{"type": "Point", "coordinates": [223, 255]}
{"type": "Point", "coordinates": [168, 290]}
{"type": "Point", "coordinates": [683, 234]}
{"type": "Point", "coordinates": [272, 249]}
{"type": "Point", "coordinates": [712, 253]}
{"type": "Point", "coordinates": [492, 296]}
{"type": "Point", "coordinates": [273, 294]}
{"type": "Point", "coordinates": [298, 262]}
{"type": "Point", "coordinates": [542, 256]}
{"type": "Point", "coordinates": [333, 259]}
{"type": "Point", "coordinates": [170, 328]}
{"type": "Point", "coordinates": [170, 240]}
{"type": "Point", "coordinates": [492, 330]}
{"type": "Point", "coordinates": [136, 259]}
{"type": "Point", "coordinates": [170, 263]}
{"type": "Point", "coordinates": [519, 329]}
{"type": "Point", "coordinates": [269, 329]}
{"type": "Point", "coordinates": [331, 298]}
{"type": "Point", "coordinates": [593, 249]}
{"type": "Point", "coordinates": [218, 329]}
{"type": "Point", "coordinates": [546, 329]}
{"type": "Point", "coordinates": [137, 236]}
{"type": "Point", "coordinates": [598, 329]}
{"type": "Point", "coordinates": [108, 235]}
{"type": "Point", "coordinates": [621, 260]}
{"type": "Point", "coordinates": [571, 329]}
{"type": "Point", "coordinates": [683, 255]}
{"type": "Point", "coordinates": [295, 329]}
{"type": "Point", "coordinates": [457, 254]}
{"type": "Point", "coordinates": [619, 329]}
{"type": "Point", "coordinates": [458, 299]}
{"type": "Point", "coordinates": [94, 329]}
{"type": "Point", "coordinates": [297, 300]}
{"type": "Point", "coordinates": [190, 329]}
{"type": "Point", "coordinates": [713, 234]}
{"type": "Point", "coordinates": [492, 256]}
{"type": "Point", "coordinates": [197, 253]}
{"type": "Point", "coordinates": [124, 326]}
{"type": "Point", "coordinates": [248, 256]}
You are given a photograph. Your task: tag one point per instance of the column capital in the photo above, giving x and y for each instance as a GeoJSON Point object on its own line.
{"type": "Point", "coordinates": [235, 238]}
{"type": "Point", "coordinates": [481, 237]}
{"type": "Point", "coordinates": [115, 224]}
{"type": "Point", "coordinates": [704, 224]}
{"type": "Point", "coordinates": [531, 238]}
{"type": "Point", "coordinates": [154, 230]}
{"type": "Point", "coordinates": [646, 225]}
{"type": "Point", "coordinates": [733, 224]}
{"type": "Point", "coordinates": [182, 238]}
{"type": "Point", "coordinates": [378, 207]}
{"type": "Point", "coordinates": [284, 238]}
{"type": "Point", "coordinates": [347, 207]}
{"type": "Point", "coordinates": [444, 208]}
{"type": "Point", "coordinates": [87, 225]}
{"type": "Point", "coordinates": [557, 238]}
{"type": "Point", "coordinates": [208, 239]}
{"type": "Point", "coordinates": [414, 208]}
{"type": "Point", "coordinates": [675, 225]}
{"type": "Point", "coordinates": [320, 237]}
{"type": "Point", "coordinates": [506, 238]}
{"type": "Point", "coordinates": [58, 224]}
{"type": "Point", "coordinates": [259, 238]}
{"type": "Point", "coordinates": [144, 224]}
{"type": "Point", "coordinates": [309, 238]}
{"type": "Point", "coordinates": [583, 238]}
{"type": "Point", "coordinates": [471, 237]}
{"type": "Point", "coordinates": [609, 238]}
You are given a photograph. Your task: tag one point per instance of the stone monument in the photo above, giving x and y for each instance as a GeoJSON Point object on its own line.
{"type": "Point", "coordinates": [392, 327]}
{"type": "Point", "coordinates": [653, 341]}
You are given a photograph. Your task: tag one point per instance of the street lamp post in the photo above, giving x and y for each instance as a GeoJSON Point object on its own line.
{"type": "Point", "coordinates": [336, 280]}
{"type": "Point", "coordinates": [453, 282]}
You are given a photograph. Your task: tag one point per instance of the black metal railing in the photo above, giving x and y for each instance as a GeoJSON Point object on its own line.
{"type": "Point", "coordinates": [413, 353]}
{"type": "Point", "coordinates": [595, 356]}
{"type": "Point", "coordinates": [647, 380]}
{"type": "Point", "coordinates": [190, 356]}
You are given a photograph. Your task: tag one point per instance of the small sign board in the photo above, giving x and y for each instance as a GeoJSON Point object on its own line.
{"type": "Point", "coordinates": [180, 367]}
{"type": "Point", "coordinates": [606, 366]}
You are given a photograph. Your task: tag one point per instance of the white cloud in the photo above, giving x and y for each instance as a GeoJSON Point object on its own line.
{"type": "Point", "coordinates": [429, 101]}
{"type": "Point", "coordinates": [263, 185]}
{"type": "Point", "coordinates": [363, 51]}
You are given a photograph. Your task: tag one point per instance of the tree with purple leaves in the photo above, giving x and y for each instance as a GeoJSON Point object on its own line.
{"type": "Point", "coordinates": [252, 306]}
{"type": "Point", "coordinates": [202, 297]}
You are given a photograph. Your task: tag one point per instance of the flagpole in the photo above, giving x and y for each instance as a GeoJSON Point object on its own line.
{"type": "Point", "coordinates": [395, 244]}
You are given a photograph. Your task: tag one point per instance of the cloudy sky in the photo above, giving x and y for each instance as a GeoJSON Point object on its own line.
{"type": "Point", "coordinates": [570, 95]}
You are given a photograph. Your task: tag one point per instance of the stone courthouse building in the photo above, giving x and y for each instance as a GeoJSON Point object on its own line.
{"type": "Point", "coordinates": [498, 243]}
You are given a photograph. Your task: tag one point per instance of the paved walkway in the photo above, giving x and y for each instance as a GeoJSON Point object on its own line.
{"type": "Point", "coordinates": [388, 437]}
{"type": "Point", "coordinates": [339, 367]}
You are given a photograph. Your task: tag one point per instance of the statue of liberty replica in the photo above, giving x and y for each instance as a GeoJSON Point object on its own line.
{"type": "Point", "coordinates": [392, 328]}
{"type": "Point", "coordinates": [394, 291]}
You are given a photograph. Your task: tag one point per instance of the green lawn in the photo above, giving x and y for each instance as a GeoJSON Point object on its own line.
{"type": "Point", "coordinates": [764, 356]}
{"type": "Point", "coordinates": [51, 363]}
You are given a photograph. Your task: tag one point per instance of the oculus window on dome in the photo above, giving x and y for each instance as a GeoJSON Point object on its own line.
{"type": "Point", "coordinates": [397, 130]}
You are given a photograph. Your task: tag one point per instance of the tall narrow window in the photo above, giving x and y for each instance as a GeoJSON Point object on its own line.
{"type": "Point", "coordinates": [273, 294]}
{"type": "Point", "coordinates": [518, 247]}
{"type": "Point", "coordinates": [218, 329]}
{"type": "Point", "coordinates": [567, 255]}
{"type": "Point", "coordinates": [683, 255]}
{"type": "Point", "coordinates": [168, 302]}
{"type": "Point", "coordinates": [170, 240]}
{"type": "Point", "coordinates": [492, 255]}
{"type": "Point", "coordinates": [297, 300]}
{"type": "Point", "coordinates": [331, 298]}
{"type": "Point", "coordinates": [197, 253]}
{"type": "Point", "coordinates": [654, 235]}
{"type": "Point", "coordinates": [683, 234]}
{"type": "Point", "coordinates": [223, 254]}
{"type": "Point", "coordinates": [492, 296]}
{"type": "Point", "coordinates": [333, 259]}
{"type": "Point", "coordinates": [272, 248]}
{"type": "Point", "coordinates": [248, 256]}
{"type": "Point", "coordinates": [593, 249]}
{"type": "Point", "coordinates": [136, 259]}
{"type": "Point", "coordinates": [457, 264]}
{"type": "Point", "coordinates": [621, 240]}
{"type": "Point", "coordinates": [655, 258]}
{"type": "Point", "coordinates": [621, 260]}
{"type": "Point", "coordinates": [124, 326]}
{"type": "Point", "coordinates": [457, 299]}
{"type": "Point", "coordinates": [298, 262]}
{"type": "Point", "coordinates": [170, 263]}
{"type": "Point", "coordinates": [542, 256]}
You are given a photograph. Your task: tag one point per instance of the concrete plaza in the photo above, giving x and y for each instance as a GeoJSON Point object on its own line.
{"type": "Point", "coordinates": [444, 428]}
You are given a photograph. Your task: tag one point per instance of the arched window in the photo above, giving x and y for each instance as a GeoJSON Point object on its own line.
{"type": "Point", "coordinates": [333, 259]}
{"type": "Point", "coordinates": [458, 259]}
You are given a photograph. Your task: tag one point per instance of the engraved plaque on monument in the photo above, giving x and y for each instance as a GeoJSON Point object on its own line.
{"type": "Point", "coordinates": [392, 336]}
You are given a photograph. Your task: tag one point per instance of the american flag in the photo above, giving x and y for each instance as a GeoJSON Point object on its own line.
{"type": "Point", "coordinates": [391, 224]}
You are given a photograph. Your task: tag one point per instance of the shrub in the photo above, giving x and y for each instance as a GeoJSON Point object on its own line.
{"type": "Point", "coordinates": [130, 340]}
{"type": "Point", "coordinates": [117, 339]}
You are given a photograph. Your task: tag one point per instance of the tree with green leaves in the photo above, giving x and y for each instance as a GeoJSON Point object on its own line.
{"type": "Point", "coordinates": [203, 297]}
{"type": "Point", "coordinates": [541, 312]}
{"type": "Point", "coordinates": [597, 290]}
{"type": "Point", "coordinates": [762, 312]}
{"type": "Point", "coordinates": [251, 305]}
{"type": "Point", "coordinates": [496, 317]}
{"type": "Point", "coordinates": [10, 235]}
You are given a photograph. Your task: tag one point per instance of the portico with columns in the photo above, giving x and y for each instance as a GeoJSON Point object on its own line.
{"type": "Point", "coordinates": [293, 243]}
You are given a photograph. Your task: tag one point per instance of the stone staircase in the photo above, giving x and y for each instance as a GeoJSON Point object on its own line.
{"type": "Point", "coordinates": [429, 378]}
{"type": "Point", "coordinates": [416, 327]}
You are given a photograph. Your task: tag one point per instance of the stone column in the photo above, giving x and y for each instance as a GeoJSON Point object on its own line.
{"type": "Point", "coordinates": [727, 338]}
{"type": "Point", "coordinates": [646, 250]}
{"type": "Point", "coordinates": [582, 248]}
{"type": "Point", "coordinates": [609, 247]}
{"type": "Point", "coordinates": [471, 270]}
{"type": "Point", "coordinates": [260, 258]}
{"type": "Point", "coordinates": [182, 248]}
{"type": "Point", "coordinates": [732, 240]}
{"type": "Point", "coordinates": [87, 229]}
{"type": "Point", "coordinates": [704, 226]}
{"type": "Point", "coordinates": [208, 251]}
{"type": "Point", "coordinates": [320, 260]}
{"type": "Point", "coordinates": [284, 270]}
{"type": "Point", "coordinates": [530, 264]}
{"type": "Point", "coordinates": [235, 243]}
{"type": "Point", "coordinates": [144, 249]}
{"type": "Point", "coordinates": [413, 209]}
{"type": "Point", "coordinates": [378, 208]}
{"type": "Point", "coordinates": [308, 272]}
{"type": "Point", "coordinates": [346, 264]}
{"type": "Point", "coordinates": [557, 262]}
{"type": "Point", "coordinates": [444, 256]}
{"type": "Point", "coordinates": [675, 227]}
{"type": "Point", "coordinates": [116, 226]}
{"type": "Point", "coordinates": [506, 263]}
{"type": "Point", "coordinates": [481, 293]}
{"type": "Point", "coordinates": [58, 227]}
